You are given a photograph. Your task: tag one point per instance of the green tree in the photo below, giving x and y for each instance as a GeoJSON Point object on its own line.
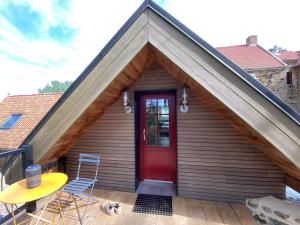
{"type": "Point", "coordinates": [56, 86]}
{"type": "Point", "coordinates": [276, 49]}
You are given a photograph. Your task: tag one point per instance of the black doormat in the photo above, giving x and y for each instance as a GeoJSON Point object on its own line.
{"type": "Point", "coordinates": [153, 204]}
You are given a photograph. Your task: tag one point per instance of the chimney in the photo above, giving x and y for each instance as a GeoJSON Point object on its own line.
{"type": "Point", "coordinates": [251, 41]}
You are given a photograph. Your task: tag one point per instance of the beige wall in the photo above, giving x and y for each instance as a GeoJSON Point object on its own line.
{"type": "Point", "coordinates": [215, 161]}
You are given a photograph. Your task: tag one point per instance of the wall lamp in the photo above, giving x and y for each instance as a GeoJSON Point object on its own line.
{"type": "Point", "coordinates": [127, 107]}
{"type": "Point", "coordinates": [184, 108]}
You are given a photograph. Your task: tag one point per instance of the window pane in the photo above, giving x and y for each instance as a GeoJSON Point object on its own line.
{"type": "Point", "coordinates": [151, 138]}
{"type": "Point", "coordinates": [150, 105]}
{"type": "Point", "coordinates": [151, 121]}
{"type": "Point", "coordinates": [164, 139]}
{"type": "Point", "coordinates": [163, 106]}
{"type": "Point", "coordinates": [163, 121]}
{"type": "Point", "coordinates": [10, 121]}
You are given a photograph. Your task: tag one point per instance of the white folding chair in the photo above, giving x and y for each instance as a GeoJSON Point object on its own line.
{"type": "Point", "coordinates": [77, 189]}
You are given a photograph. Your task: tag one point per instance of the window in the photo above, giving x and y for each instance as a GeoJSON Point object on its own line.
{"type": "Point", "coordinates": [157, 122]}
{"type": "Point", "coordinates": [289, 78]}
{"type": "Point", "coordinates": [10, 121]}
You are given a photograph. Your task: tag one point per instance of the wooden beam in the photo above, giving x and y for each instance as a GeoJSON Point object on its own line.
{"type": "Point", "coordinates": [97, 81]}
{"type": "Point", "coordinates": [293, 182]}
{"type": "Point", "coordinates": [239, 124]}
{"type": "Point", "coordinates": [105, 99]}
{"type": "Point", "coordinates": [217, 68]}
{"type": "Point", "coordinates": [244, 107]}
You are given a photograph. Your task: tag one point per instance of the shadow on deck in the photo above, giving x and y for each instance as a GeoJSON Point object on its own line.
{"type": "Point", "coordinates": [185, 211]}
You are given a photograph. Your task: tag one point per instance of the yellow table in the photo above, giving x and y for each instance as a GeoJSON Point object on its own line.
{"type": "Point", "coordinates": [18, 192]}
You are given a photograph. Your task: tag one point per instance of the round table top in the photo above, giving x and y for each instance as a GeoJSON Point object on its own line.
{"type": "Point", "coordinates": [19, 193]}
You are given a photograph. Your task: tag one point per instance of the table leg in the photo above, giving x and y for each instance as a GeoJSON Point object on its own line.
{"type": "Point", "coordinates": [59, 206]}
{"type": "Point", "coordinates": [40, 216]}
{"type": "Point", "coordinates": [13, 215]}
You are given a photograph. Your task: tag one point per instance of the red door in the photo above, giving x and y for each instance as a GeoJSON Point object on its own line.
{"type": "Point", "coordinates": [158, 137]}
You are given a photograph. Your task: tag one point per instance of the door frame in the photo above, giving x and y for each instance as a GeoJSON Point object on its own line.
{"type": "Point", "coordinates": [137, 95]}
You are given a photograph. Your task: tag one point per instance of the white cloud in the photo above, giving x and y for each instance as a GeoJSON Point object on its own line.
{"type": "Point", "coordinates": [97, 23]}
{"type": "Point", "coordinates": [218, 22]}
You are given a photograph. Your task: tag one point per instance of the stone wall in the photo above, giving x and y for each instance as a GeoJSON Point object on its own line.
{"type": "Point", "coordinates": [276, 81]}
{"type": "Point", "coordinates": [296, 83]}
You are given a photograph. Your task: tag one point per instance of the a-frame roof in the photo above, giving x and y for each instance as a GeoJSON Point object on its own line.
{"type": "Point", "coordinates": [153, 34]}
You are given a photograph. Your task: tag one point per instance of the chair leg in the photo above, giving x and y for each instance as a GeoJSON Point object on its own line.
{"type": "Point", "coordinates": [87, 203]}
{"type": "Point", "coordinates": [77, 209]}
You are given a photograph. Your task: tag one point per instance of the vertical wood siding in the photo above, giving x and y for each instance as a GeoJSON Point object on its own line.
{"type": "Point", "coordinates": [215, 161]}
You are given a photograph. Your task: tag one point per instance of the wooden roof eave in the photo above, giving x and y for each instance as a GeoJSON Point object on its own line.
{"type": "Point", "coordinates": [95, 83]}
{"type": "Point", "coordinates": [241, 98]}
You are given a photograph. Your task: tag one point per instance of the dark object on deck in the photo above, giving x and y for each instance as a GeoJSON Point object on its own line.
{"type": "Point", "coordinates": [33, 176]}
{"type": "Point", "coordinates": [153, 204]}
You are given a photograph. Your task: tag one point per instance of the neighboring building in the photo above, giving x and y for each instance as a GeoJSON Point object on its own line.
{"type": "Point", "coordinates": [292, 59]}
{"type": "Point", "coordinates": [272, 70]}
{"type": "Point", "coordinates": [19, 114]}
{"type": "Point", "coordinates": [295, 81]}
{"type": "Point", "coordinates": [237, 139]}
{"type": "Point", "coordinates": [289, 57]}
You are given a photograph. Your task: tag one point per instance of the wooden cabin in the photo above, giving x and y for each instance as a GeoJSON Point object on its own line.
{"type": "Point", "coordinates": [237, 140]}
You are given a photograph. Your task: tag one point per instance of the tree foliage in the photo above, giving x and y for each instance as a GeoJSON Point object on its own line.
{"type": "Point", "coordinates": [276, 49]}
{"type": "Point", "coordinates": [56, 86]}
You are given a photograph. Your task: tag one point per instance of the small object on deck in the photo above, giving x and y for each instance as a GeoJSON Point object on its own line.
{"type": "Point", "coordinates": [271, 210]}
{"type": "Point", "coordinates": [153, 204]}
{"type": "Point", "coordinates": [108, 208]}
{"type": "Point", "coordinates": [117, 208]}
{"type": "Point", "coordinates": [33, 176]}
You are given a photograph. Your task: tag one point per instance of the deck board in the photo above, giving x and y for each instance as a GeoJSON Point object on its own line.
{"type": "Point", "coordinates": [227, 214]}
{"type": "Point", "coordinates": [196, 213]}
{"type": "Point", "coordinates": [243, 214]}
{"type": "Point", "coordinates": [185, 212]}
{"type": "Point", "coordinates": [211, 213]}
{"type": "Point", "coordinates": [180, 211]}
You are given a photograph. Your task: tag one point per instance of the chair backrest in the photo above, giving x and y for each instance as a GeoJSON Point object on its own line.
{"type": "Point", "coordinates": [88, 159]}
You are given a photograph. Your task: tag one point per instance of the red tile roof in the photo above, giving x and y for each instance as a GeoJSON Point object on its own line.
{"type": "Point", "coordinates": [288, 55]}
{"type": "Point", "coordinates": [251, 57]}
{"type": "Point", "coordinates": [32, 107]}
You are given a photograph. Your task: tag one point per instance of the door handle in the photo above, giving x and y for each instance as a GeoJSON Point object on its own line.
{"type": "Point", "coordinates": [144, 134]}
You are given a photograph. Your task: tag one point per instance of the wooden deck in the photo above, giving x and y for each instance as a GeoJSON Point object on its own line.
{"type": "Point", "coordinates": [185, 212]}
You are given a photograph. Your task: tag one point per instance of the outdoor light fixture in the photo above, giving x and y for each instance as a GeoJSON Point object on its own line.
{"type": "Point", "coordinates": [184, 103]}
{"type": "Point", "coordinates": [127, 107]}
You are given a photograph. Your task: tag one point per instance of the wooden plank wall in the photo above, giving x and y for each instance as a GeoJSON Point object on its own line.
{"type": "Point", "coordinates": [215, 162]}
{"type": "Point", "coordinates": [111, 136]}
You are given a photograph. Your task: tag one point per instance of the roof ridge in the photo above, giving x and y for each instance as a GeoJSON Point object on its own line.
{"type": "Point", "coordinates": [230, 46]}
{"type": "Point", "coordinates": [270, 53]}
{"type": "Point", "coordinates": [35, 94]}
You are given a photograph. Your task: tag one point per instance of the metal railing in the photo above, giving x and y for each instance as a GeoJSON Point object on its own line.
{"type": "Point", "coordinates": [13, 163]}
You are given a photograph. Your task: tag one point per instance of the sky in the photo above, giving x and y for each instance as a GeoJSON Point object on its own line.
{"type": "Point", "coordinates": [45, 40]}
